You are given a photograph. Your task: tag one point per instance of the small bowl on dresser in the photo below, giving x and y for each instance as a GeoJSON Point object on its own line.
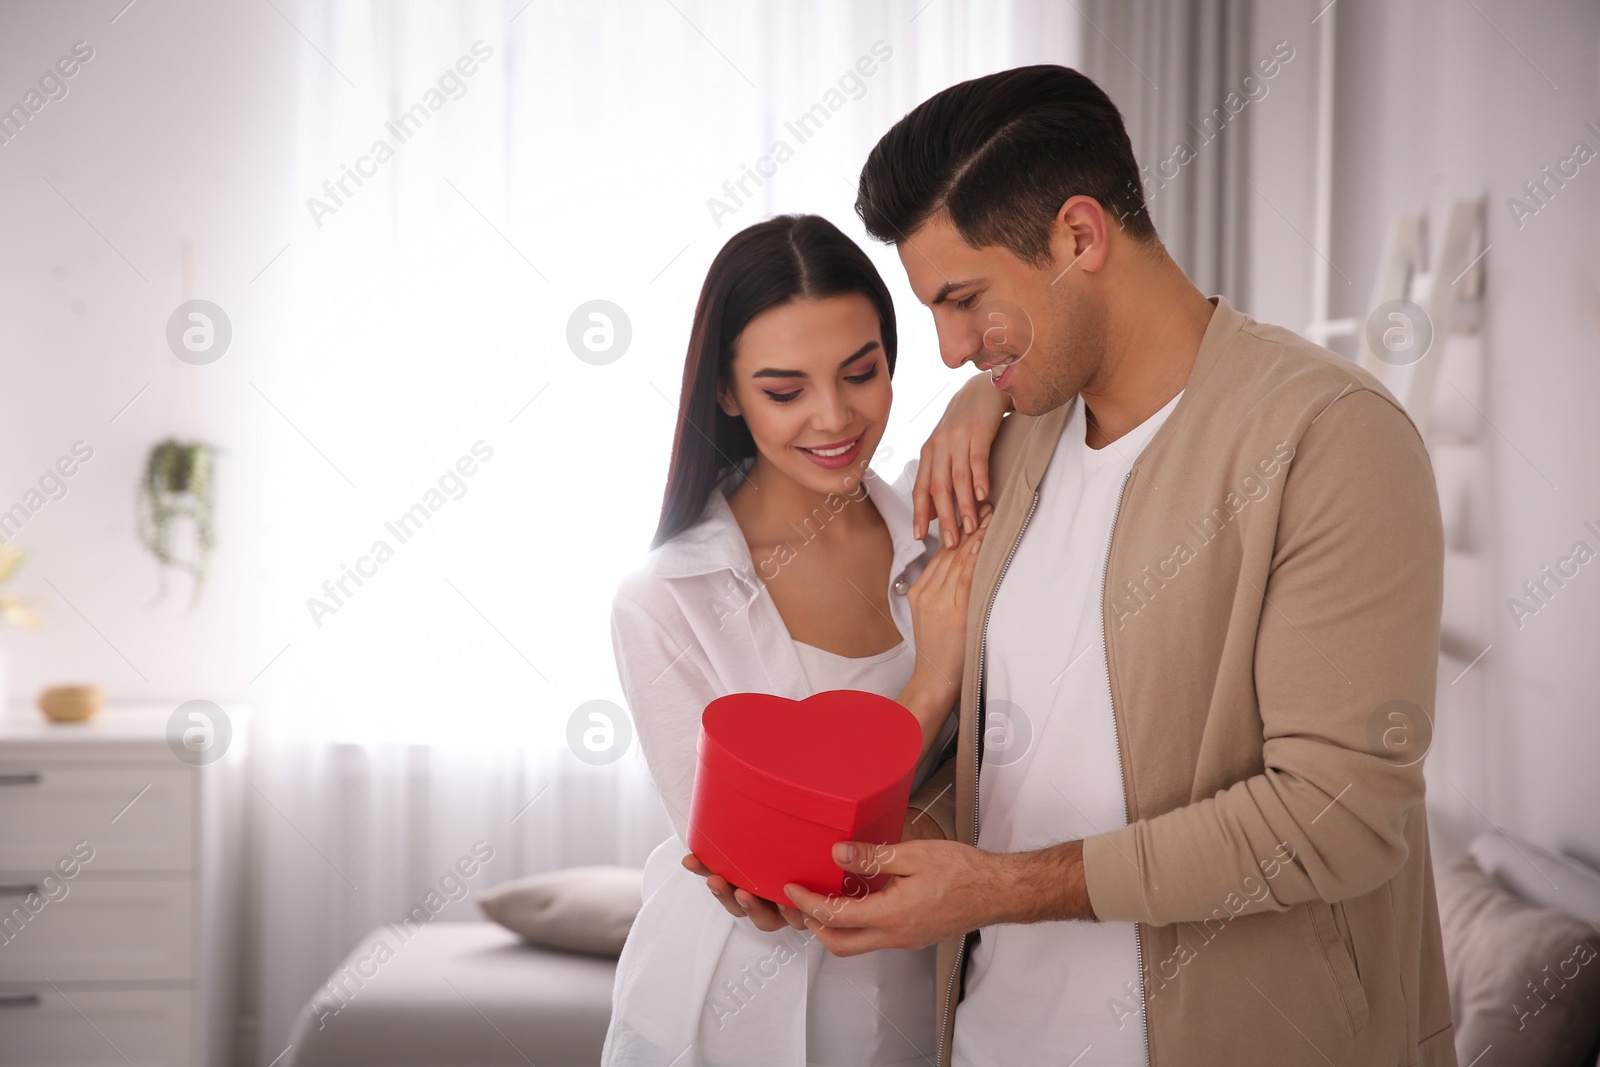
{"type": "Point", "coordinates": [70, 703]}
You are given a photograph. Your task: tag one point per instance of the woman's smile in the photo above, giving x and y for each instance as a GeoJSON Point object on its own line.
{"type": "Point", "coordinates": [835, 456]}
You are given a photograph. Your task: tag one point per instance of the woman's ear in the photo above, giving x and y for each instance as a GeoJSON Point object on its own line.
{"type": "Point", "coordinates": [726, 402]}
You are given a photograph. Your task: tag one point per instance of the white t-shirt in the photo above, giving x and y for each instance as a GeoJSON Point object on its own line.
{"type": "Point", "coordinates": [1051, 772]}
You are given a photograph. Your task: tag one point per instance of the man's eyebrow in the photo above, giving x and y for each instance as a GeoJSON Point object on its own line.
{"type": "Point", "coordinates": [949, 287]}
{"type": "Point", "coordinates": [773, 372]}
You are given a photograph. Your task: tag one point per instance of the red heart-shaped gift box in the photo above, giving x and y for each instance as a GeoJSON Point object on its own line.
{"type": "Point", "coordinates": [780, 781]}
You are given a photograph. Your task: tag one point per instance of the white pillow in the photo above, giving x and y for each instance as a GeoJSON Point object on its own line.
{"type": "Point", "coordinates": [577, 909]}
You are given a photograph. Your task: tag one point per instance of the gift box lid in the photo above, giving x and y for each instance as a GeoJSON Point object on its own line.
{"type": "Point", "coordinates": [829, 758]}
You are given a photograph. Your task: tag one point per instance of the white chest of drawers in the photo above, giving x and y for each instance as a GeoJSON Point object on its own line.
{"type": "Point", "coordinates": [119, 892]}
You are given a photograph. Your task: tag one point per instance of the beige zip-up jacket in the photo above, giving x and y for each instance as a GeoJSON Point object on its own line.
{"type": "Point", "coordinates": [1271, 599]}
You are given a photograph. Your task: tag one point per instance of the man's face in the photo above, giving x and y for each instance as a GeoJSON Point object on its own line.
{"type": "Point", "coordinates": [1036, 330]}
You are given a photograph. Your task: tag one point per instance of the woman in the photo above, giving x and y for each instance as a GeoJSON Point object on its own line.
{"type": "Point", "coordinates": [782, 564]}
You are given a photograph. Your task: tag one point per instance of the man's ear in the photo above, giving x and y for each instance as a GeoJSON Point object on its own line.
{"type": "Point", "coordinates": [1080, 238]}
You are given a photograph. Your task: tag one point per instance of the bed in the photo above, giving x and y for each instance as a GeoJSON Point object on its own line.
{"type": "Point", "coordinates": [456, 993]}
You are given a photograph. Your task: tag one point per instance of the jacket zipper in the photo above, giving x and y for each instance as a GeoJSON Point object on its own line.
{"type": "Point", "coordinates": [977, 732]}
{"type": "Point", "coordinates": [1122, 775]}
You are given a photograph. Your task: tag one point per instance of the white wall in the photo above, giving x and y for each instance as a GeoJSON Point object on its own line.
{"type": "Point", "coordinates": [177, 130]}
{"type": "Point", "coordinates": [1440, 99]}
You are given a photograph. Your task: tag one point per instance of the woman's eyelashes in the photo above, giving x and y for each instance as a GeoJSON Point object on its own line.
{"type": "Point", "coordinates": [854, 379]}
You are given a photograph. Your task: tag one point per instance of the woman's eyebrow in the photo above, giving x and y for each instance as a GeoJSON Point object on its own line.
{"type": "Point", "coordinates": [773, 372]}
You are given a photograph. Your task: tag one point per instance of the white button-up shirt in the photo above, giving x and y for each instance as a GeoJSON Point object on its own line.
{"type": "Point", "coordinates": [693, 623]}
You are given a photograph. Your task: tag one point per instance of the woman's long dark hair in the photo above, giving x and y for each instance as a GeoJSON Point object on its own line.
{"type": "Point", "coordinates": [770, 264]}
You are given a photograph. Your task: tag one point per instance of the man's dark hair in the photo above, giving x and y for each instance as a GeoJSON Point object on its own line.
{"type": "Point", "coordinates": [1000, 154]}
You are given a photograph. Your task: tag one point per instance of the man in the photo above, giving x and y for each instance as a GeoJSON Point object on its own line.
{"type": "Point", "coordinates": [1202, 653]}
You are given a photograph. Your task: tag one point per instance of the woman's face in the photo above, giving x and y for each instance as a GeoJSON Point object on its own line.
{"type": "Point", "coordinates": [811, 379]}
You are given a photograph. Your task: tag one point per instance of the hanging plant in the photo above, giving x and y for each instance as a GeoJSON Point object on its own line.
{"type": "Point", "coordinates": [177, 484]}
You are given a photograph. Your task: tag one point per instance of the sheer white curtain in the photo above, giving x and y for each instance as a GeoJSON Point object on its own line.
{"type": "Point", "coordinates": [535, 158]}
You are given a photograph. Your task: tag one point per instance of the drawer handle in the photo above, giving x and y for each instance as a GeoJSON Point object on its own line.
{"type": "Point", "coordinates": [18, 889]}
{"type": "Point", "coordinates": [19, 1000]}
{"type": "Point", "coordinates": [25, 778]}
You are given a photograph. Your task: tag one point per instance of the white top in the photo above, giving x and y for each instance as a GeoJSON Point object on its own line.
{"type": "Point", "coordinates": [1051, 772]}
{"type": "Point", "coordinates": [885, 673]}
{"type": "Point", "coordinates": [694, 985]}
{"type": "Point", "coordinates": [900, 983]}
